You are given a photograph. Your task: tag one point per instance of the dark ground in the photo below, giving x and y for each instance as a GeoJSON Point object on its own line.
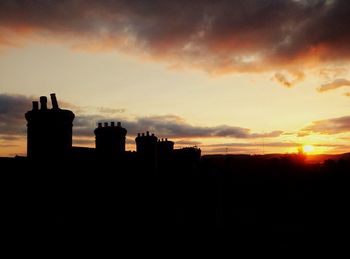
{"type": "Point", "coordinates": [277, 202]}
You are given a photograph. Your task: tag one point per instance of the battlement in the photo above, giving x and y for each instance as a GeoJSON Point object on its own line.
{"type": "Point", "coordinates": [110, 138]}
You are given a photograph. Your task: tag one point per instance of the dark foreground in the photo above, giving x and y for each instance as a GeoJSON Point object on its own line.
{"type": "Point", "coordinates": [249, 198]}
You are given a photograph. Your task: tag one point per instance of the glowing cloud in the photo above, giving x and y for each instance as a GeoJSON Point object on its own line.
{"type": "Point", "coordinates": [334, 85]}
{"type": "Point", "coordinates": [216, 36]}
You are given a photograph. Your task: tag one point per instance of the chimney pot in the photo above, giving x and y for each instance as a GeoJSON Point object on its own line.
{"type": "Point", "coordinates": [54, 101]}
{"type": "Point", "coordinates": [106, 124]}
{"type": "Point", "coordinates": [100, 125]}
{"type": "Point", "coordinates": [112, 124]}
{"type": "Point", "coordinates": [43, 103]}
{"type": "Point", "coordinates": [35, 105]}
{"type": "Point", "coordinates": [119, 124]}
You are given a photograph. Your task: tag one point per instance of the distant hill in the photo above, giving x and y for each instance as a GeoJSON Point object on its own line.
{"type": "Point", "coordinates": [314, 159]}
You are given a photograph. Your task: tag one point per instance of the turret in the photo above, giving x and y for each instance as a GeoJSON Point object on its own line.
{"type": "Point", "coordinates": [146, 148]}
{"type": "Point", "coordinates": [49, 131]}
{"type": "Point", "coordinates": [165, 150]}
{"type": "Point", "coordinates": [110, 140]}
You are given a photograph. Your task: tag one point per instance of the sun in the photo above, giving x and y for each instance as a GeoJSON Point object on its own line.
{"type": "Point", "coordinates": [308, 149]}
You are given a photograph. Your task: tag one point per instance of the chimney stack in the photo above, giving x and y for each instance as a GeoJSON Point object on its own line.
{"type": "Point", "coordinates": [119, 124]}
{"type": "Point", "coordinates": [106, 124]}
{"type": "Point", "coordinates": [54, 101]}
{"type": "Point", "coordinates": [112, 124]}
{"type": "Point", "coordinates": [99, 125]}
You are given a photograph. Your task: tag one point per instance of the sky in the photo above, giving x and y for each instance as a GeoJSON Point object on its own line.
{"type": "Point", "coordinates": [252, 76]}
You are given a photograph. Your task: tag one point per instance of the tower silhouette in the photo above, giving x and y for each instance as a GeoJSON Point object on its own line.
{"type": "Point", "coordinates": [146, 148]}
{"type": "Point", "coordinates": [165, 149]}
{"type": "Point", "coordinates": [110, 139]}
{"type": "Point", "coordinates": [49, 131]}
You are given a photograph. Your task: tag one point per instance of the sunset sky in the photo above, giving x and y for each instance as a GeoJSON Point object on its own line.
{"type": "Point", "coordinates": [250, 76]}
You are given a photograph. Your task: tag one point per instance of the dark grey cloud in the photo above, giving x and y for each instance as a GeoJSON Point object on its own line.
{"type": "Point", "coordinates": [329, 126]}
{"type": "Point", "coordinates": [12, 110]}
{"type": "Point", "coordinates": [168, 126]}
{"type": "Point", "coordinates": [12, 123]}
{"type": "Point", "coordinates": [217, 36]}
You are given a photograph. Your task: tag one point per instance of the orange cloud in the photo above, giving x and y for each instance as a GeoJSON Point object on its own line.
{"type": "Point", "coordinates": [289, 80]}
{"type": "Point", "coordinates": [329, 126]}
{"type": "Point", "coordinates": [334, 85]}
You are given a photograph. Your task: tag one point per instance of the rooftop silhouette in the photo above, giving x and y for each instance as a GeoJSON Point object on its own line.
{"type": "Point", "coordinates": [49, 135]}
{"type": "Point", "coordinates": [61, 189]}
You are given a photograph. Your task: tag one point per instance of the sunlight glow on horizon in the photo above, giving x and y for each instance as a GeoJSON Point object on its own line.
{"type": "Point", "coordinates": [308, 149]}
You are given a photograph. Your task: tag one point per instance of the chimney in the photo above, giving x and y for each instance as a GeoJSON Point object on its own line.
{"type": "Point", "coordinates": [100, 125]}
{"type": "Point", "coordinates": [147, 133]}
{"type": "Point", "coordinates": [43, 103]}
{"type": "Point", "coordinates": [35, 105]}
{"type": "Point", "coordinates": [106, 124]}
{"type": "Point", "coordinates": [138, 134]}
{"type": "Point", "coordinates": [54, 101]}
{"type": "Point", "coordinates": [112, 124]}
{"type": "Point", "coordinates": [119, 124]}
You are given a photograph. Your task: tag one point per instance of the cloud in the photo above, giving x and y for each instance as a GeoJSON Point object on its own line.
{"type": "Point", "coordinates": [12, 110]}
{"type": "Point", "coordinates": [13, 125]}
{"type": "Point", "coordinates": [289, 80]}
{"type": "Point", "coordinates": [329, 126]}
{"type": "Point", "coordinates": [268, 144]}
{"type": "Point", "coordinates": [184, 142]}
{"type": "Point", "coordinates": [84, 141]}
{"type": "Point", "coordinates": [168, 126]}
{"type": "Point", "coordinates": [246, 147]}
{"type": "Point", "coordinates": [337, 83]}
{"type": "Point", "coordinates": [175, 127]}
{"type": "Point", "coordinates": [216, 36]}
{"type": "Point", "coordinates": [110, 110]}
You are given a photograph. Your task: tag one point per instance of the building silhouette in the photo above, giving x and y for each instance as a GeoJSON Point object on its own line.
{"type": "Point", "coordinates": [110, 139]}
{"type": "Point", "coordinates": [146, 148]}
{"type": "Point", "coordinates": [49, 131]}
{"type": "Point", "coordinates": [244, 194]}
{"type": "Point", "coordinates": [50, 136]}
